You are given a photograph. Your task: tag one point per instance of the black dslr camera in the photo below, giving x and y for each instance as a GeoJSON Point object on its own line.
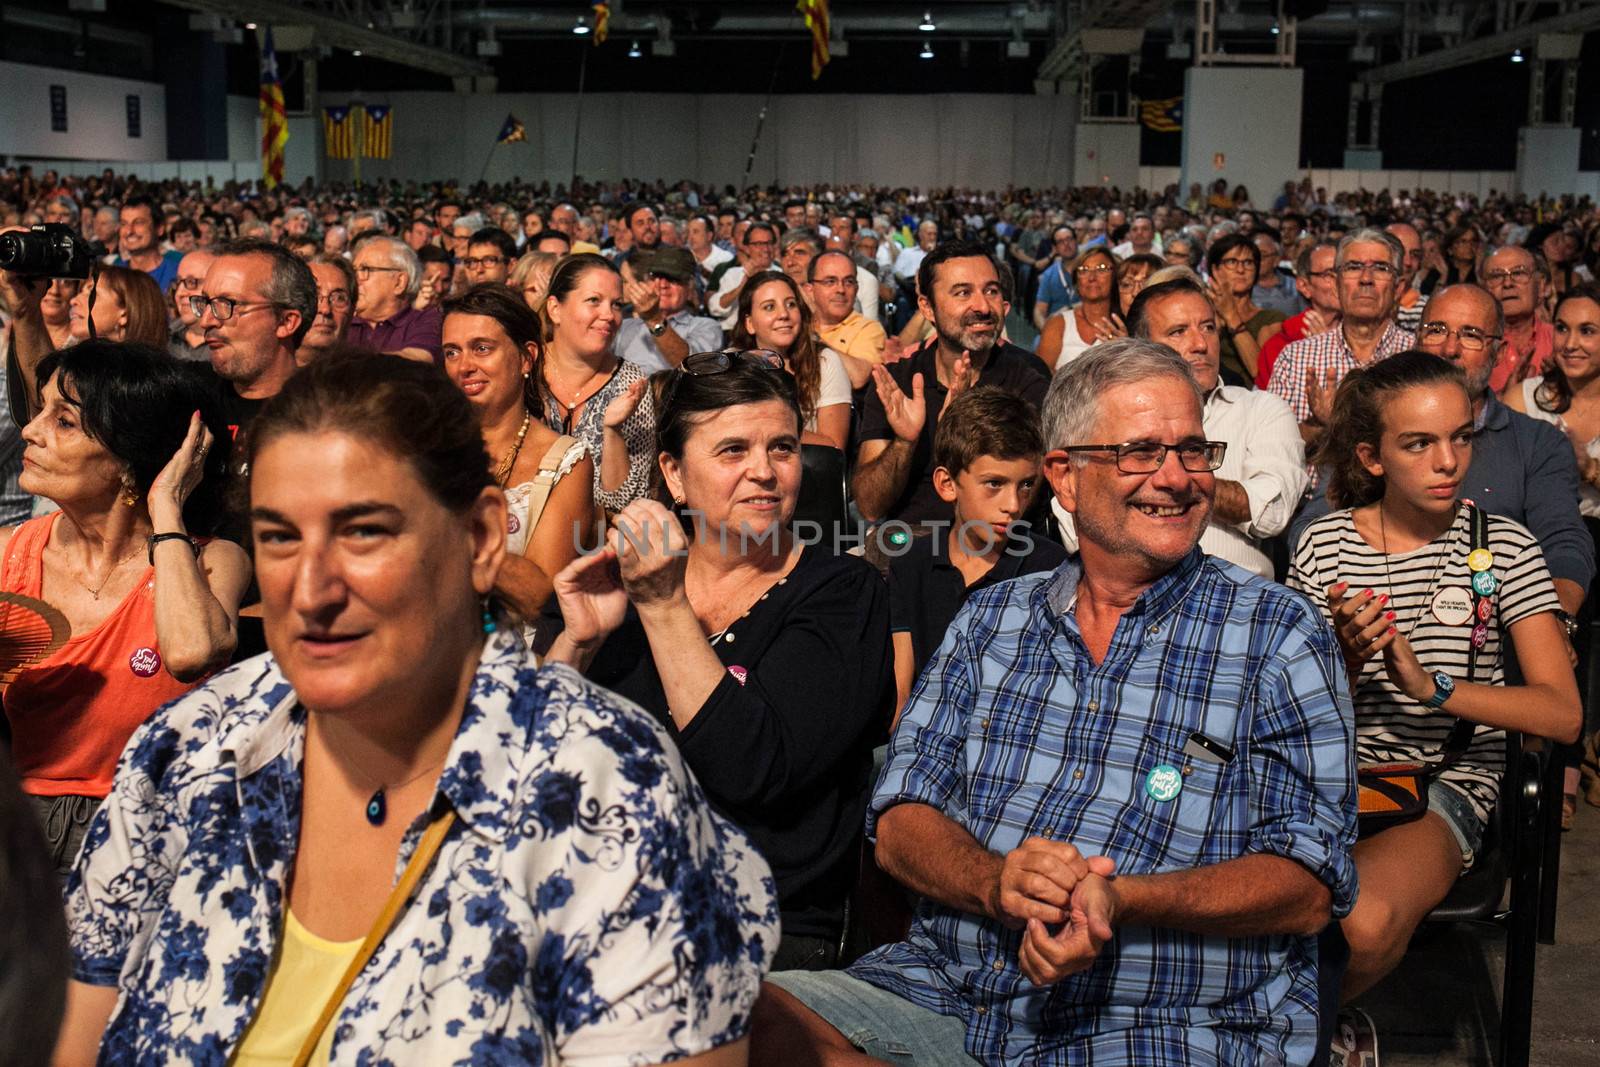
{"type": "Point", "coordinates": [49, 250]}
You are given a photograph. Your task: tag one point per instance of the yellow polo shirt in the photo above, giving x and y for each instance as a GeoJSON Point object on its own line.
{"type": "Point", "coordinates": [857, 336]}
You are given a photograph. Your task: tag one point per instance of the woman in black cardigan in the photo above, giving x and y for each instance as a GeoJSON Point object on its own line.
{"type": "Point", "coordinates": [767, 659]}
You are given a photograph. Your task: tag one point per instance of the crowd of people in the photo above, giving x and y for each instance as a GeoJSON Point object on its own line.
{"type": "Point", "coordinates": [633, 623]}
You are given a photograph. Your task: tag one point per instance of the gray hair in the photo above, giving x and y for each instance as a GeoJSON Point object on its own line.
{"type": "Point", "coordinates": [1072, 406]}
{"type": "Point", "coordinates": [400, 255]}
{"type": "Point", "coordinates": [1536, 261]}
{"type": "Point", "coordinates": [1372, 235]}
{"type": "Point", "coordinates": [801, 235]}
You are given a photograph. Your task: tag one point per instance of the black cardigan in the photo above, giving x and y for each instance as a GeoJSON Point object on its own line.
{"type": "Point", "coordinates": [785, 751]}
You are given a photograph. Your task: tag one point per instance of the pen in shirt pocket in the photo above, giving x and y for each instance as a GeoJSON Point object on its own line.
{"type": "Point", "coordinates": [1202, 748]}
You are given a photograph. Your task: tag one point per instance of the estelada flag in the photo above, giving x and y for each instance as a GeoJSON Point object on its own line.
{"type": "Point", "coordinates": [512, 130]}
{"type": "Point", "coordinates": [602, 22]}
{"type": "Point", "coordinates": [340, 130]}
{"type": "Point", "coordinates": [378, 131]}
{"type": "Point", "coordinates": [816, 16]}
{"type": "Point", "coordinates": [1162, 116]}
{"type": "Point", "coordinates": [274, 118]}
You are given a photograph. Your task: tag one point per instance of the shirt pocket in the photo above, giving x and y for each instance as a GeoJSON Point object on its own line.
{"type": "Point", "coordinates": [1184, 830]}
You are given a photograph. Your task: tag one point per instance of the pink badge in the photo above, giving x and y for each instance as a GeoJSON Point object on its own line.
{"type": "Point", "coordinates": [739, 673]}
{"type": "Point", "coordinates": [513, 524]}
{"type": "Point", "coordinates": [144, 662]}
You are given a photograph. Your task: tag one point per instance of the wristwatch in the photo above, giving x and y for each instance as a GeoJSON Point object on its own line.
{"type": "Point", "coordinates": [1567, 621]}
{"type": "Point", "coordinates": [658, 329]}
{"type": "Point", "coordinates": [1443, 687]}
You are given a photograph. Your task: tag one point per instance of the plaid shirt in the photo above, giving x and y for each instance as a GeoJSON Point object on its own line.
{"type": "Point", "coordinates": [1326, 351]}
{"type": "Point", "coordinates": [1013, 731]}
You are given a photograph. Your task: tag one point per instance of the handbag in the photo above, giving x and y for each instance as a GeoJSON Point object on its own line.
{"type": "Point", "coordinates": [427, 848]}
{"type": "Point", "coordinates": [1388, 794]}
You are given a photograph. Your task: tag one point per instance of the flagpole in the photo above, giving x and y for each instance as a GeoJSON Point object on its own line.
{"type": "Point", "coordinates": [577, 125]}
{"type": "Point", "coordinates": [358, 111]}
{"type": "Point", "coordinates": [485, 171]}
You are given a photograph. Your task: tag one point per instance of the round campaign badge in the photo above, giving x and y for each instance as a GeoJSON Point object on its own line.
{"type": "Point", "coordinates": [144, 662]}
{"type": "Point", "coordinates": [1452, 606]}
{"type": "Point", "coordinates": [1480, 559]}
{"type": "Point", "coordinates": [1163, 783]}
{"type": "Point", "coordinates": [1484, 608]}
{"type": "Point", "coordinates": [1484, 583]}
{"type": "Point", "coordinates": [1480, 635]}
{"type": "Point", "coordinates": [513, 524]}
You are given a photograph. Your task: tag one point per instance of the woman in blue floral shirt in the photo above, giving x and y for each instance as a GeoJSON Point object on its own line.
{"type": "Point", "coordinates": [584, 904]}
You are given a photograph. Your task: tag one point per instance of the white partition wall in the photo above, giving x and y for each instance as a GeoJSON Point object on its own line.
{"type": "Point", "coordinates": [1242, 125]}
{"type": "Point", "coordinates": [1107, 155]}
{"type": "Point", "coordinates": [926, 141]}
{"type": "Point", "coordinates": [34, 101]}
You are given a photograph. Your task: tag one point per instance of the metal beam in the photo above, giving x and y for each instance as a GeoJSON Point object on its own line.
{"type": "Point", "coordinates": [1497, 44]}
{"type": "Point", "coordinates": [338, 34]}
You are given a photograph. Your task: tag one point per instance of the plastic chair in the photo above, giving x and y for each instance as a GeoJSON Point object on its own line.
{"type": "Point", "coordinates": [823, 489]}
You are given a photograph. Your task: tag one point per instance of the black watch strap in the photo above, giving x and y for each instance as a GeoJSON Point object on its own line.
{"type": "Point", "coordinates": [155, 539]}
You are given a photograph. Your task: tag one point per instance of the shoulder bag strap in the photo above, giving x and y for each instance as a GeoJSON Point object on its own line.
{"type": "Point", "coordinates": [427, 848]}
{"type": "Point", "coordinates": [545, 480]}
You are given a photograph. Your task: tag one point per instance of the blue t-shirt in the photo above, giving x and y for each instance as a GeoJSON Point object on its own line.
{"type": "Point", "coordinates": [166, 271]}
{"type": "Point", "coordinates": [1056, 290]}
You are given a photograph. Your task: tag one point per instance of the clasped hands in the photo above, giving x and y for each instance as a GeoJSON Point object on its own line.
{"type": "Point", "coordinates": [1046, 884]}
{"type": "Point", "coordinates": [643, 562]}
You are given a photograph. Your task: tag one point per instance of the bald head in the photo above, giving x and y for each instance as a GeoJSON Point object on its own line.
{"type": "Point", "coordinates": [1411, 241]}
{"type": "Point", "coordinates": [1464, 324]}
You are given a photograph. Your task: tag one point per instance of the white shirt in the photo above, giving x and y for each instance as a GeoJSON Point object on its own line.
{"type": "Point", "coordinates": [867, 293]}
{"type": "Point", "coordinates": [1265, 455]}
{"type": "Point", "coordinates": [907, 262]}
{"type": "Point", "coordinates": [1125, 249]}
{"type": "Point", "coordinates": [732, 278]}
{"type": "Point", "coordinates": [714, 259]}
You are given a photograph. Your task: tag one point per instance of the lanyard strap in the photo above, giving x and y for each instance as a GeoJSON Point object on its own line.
{"type": "Point", "coordinates": [432, 838]}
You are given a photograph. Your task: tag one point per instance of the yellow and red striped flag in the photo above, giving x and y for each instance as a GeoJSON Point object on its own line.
{"type": "Point", "coordinates": [816, 16]}
{"type": "Point", "coordinates": [274, 119]}
{"type": "Point", "coordinates": [340, 130]}
{"type": "Point", "coordinates": [602, 22]}
{"type": "Point", "coordinates": [377, 131]}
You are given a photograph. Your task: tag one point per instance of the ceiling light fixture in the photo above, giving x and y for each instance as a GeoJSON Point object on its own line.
{"type": "Point", "coordinates": [927, 26]}
{"type": "Point", "coordinates": [1276, 29]}
{"type": "Point", "coordinates": [634, 51]}
{"type": "Point", "coordinates": [1517, 57]}
{"type": "Point", "coordinates": [581, 29]}
{"type": "Point", "coordinates": [249, 25]}
{"type": "Point", "coordinates": [356, 52]}
{"type": "Point", "coordinates": [927, 51]}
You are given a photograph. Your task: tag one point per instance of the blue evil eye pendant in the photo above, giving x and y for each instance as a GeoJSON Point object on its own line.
{"type": "Point", "coordinates": [377, 807]}
{"type": "Point", "coordinates": [489, 625]}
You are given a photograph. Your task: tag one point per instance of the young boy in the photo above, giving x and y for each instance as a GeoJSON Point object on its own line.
{"type": "Point", "coordinates": [987, 455]}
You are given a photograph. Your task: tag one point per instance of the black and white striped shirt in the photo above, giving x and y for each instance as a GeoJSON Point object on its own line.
{"type": "Point", "coordinates": [1430, 593]}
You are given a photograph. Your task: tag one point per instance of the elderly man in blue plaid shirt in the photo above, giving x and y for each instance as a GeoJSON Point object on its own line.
{"type": "Point", "coordinates": [1124, 791]}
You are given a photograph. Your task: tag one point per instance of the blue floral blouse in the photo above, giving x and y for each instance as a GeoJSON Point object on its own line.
{"type": "Point", "coordinates": [587, 907]}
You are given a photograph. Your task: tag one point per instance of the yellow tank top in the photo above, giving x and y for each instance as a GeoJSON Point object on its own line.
{"type": "Point", "coordinates": [309, 968]}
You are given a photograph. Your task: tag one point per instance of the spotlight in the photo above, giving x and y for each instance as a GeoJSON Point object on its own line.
{"type": "Point", "coordinates": [634, 51]}
{"type": "Point", "coordinates": [927, 51]}
{"type": "Point", "coordinates": [1276, 29]}
{"type": "Point", "coordinates": [581, 29]}
{"type": "Point", "coordinates": [249, 25]}
{"type": "Point", "coordinates": [356, 52]}
{"type": "Point", "coordinates": [1517, 56]}
{"type": "Point", "coordinates": [927, 26]}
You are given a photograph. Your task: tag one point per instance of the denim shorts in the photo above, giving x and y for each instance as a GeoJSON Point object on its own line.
{"type": "Point", "coordinates": [877, 1022]}
{"type": "Point", "coordinates": [1451, 805]}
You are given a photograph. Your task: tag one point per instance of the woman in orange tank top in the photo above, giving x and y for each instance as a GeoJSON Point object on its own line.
{"type": "Point", "coordinates": [126, 443]}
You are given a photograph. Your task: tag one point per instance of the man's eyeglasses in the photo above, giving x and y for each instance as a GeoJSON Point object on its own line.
{"type": "Point", "coordinates": [1516, 275]}
{"type": "Point", "coordinates": [223, 307]}
{"type": "Point", "coordinates": [1329, 273]}
{"type": "Point", "coordinates": [337, 299]}
{"type": "Point", "coordinates": [1146, 457]}
{"type": "Point", "coordinates": [1355, 268]}
{"type": "Point", "coordinates": [834, 283]}
{"type": "Point", "coordinates": [474, 262]}
{"type": "Point", "coordinates": [196, 282]}
{"type": "Point", "coordinates": [758, 244]}
{"type": "Point", "coordinates": [364, 271]}
{"type": "Point", "coordinates": [1472, 339]}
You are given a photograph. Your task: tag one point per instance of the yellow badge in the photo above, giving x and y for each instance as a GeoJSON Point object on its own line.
{"type": "Point", "coordinates": [1480, 559]}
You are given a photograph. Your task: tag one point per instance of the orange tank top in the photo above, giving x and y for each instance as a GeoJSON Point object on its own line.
{"type": "Point", "coordinates": [72, 712]}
